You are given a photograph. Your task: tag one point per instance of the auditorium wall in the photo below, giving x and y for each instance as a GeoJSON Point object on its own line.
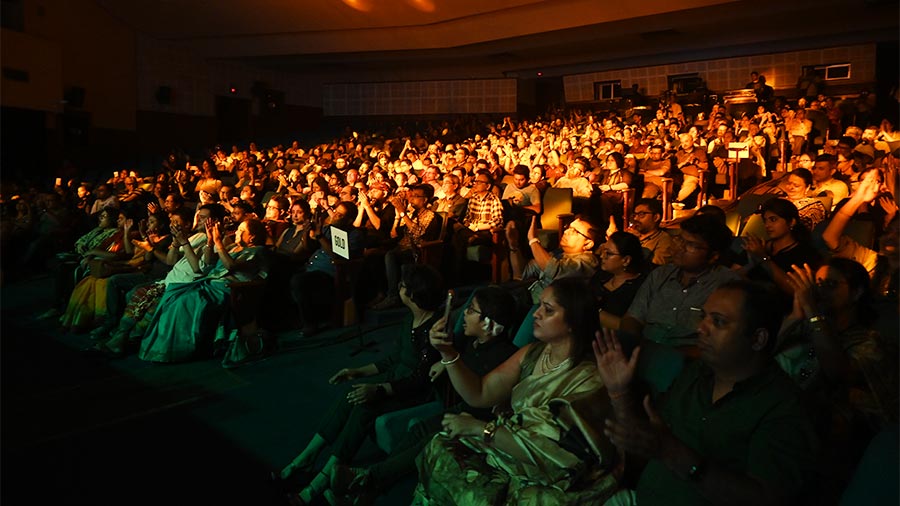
{"type": "Point", "coordinates": [782, 71]}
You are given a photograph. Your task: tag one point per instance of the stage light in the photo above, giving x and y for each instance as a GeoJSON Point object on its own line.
{"type": "Point", "coordinates": [422, 5]}
{"type": "Point", "coordinates": [540, 74]}
{"type": "Point", "coordinates": [360, 5]}
{"type": "Point", "coordinates": [233, 90]}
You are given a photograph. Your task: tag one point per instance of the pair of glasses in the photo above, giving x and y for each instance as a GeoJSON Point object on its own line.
{"type": "Point", "coordinates": [606, 253]}
{"type": "Point", "coordinates": [641, 214]}
{"type": "Point", "coordinates": [471, 310]}
{"type": "Point", "coordinates": [829, 284]}
{"type": "Point", "coordinates": [579, 232]}
{"type": "Point", "coordinates": [690, 246]}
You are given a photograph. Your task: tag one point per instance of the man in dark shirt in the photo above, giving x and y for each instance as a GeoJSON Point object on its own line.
{"type": "Point", "coordinates": [731, 429]}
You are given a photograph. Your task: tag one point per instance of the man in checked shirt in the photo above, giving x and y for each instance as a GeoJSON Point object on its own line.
{"type": "Point", "coordinates": [484, 213]}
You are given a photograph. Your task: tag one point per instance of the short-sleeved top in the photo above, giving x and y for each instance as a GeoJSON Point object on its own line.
{"type": "Point", "coordinates": [657, 247]}
{"type": "Point", "coordinates": [801, 253]}
{"type": "Point", "coordinates": [838, 189]}
{"type": "Point", "coordinates": [582, 265]}
{"type": "Point", "coordinates": [528, 196]}
{"type": "Point", "coordinates": [664, 305]}
{"type": "Point", "coordinates": [760, 428]}
{"type": "Point", "coordinates": [580, 186]}
{"type": "Point", "coordinates": [849, 248]}
{"type": "Point", "coordinates": [616, 302]}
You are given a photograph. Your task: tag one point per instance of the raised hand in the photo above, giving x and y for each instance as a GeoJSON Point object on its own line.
{"type": "Point", "coordinates": [803, 280]}
{"type": "Point", "coordinates": [754, 246]}
{"type": "Point", "coordinates": [638, 437]}
{"type": "Point", "coordinates": [614, 369]}
{"type": "Point", "coordinates": [869, 187]}
{"type": "Point", "coordinates": [440, 339]}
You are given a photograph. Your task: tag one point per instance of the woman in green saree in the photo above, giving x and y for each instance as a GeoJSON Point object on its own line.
{"type": "Point", "coordinates": [526, 457]}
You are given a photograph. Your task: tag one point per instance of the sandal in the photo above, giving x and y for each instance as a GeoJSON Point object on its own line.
{"type": "Point", "coordinates": [311, 492]}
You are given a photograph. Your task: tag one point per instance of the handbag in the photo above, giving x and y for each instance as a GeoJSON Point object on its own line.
{"type": "Point", "coordinates": [581, 421]}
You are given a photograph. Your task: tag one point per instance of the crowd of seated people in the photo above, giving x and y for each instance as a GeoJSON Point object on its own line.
{"type": "Point", "coordinates": [767, 324]}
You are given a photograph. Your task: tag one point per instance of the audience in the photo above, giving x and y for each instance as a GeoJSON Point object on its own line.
{"type": "Point", "coordinates": [384, 191]}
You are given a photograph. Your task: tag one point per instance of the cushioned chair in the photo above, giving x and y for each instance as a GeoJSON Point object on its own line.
{"type": "Point", "coordinates": [749, 203]}
{"type": "Point", "coordinates": [557, 208]}
{"type": "Point", "coordinates": [344, 311]}
{"type": "Point", "coordinates": [754, 226]}
{"type": "Point", "coordinates": [733, 221]}
{"type": "Point", "coordinates": [495, 254]}
{"type": "Point", "coordinates": [659, 365]}
{"type": "Point", "coordinates": [875, 478]}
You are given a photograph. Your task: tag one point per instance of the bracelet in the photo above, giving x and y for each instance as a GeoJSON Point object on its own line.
{"type": "Point", "coordinates": [532, 241]}
{"type": "Point", "coordinates": [816, 319]}
{"type": "Point", "coordinates": [451, 362]}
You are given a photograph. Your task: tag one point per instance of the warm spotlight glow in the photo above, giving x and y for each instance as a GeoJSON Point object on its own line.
{"type": "Point", "coordinates": [540, 74]}
{"type": "Point", "coordinates": [422, 5]}
{"type": "Point", "coordinates": [360, 5]}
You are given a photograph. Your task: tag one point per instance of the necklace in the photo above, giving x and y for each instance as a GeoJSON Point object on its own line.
{"type": "Point", "coordinates": [546, 365]}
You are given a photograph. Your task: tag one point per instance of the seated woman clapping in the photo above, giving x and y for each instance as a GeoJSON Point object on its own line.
{"type": "Point", "coordinates": [522, 458]}
{"type": "Point", "coordinates": [190, 314]}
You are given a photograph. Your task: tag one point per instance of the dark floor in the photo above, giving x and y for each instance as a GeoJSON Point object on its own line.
{"type": "Point", "coordinates": [83, 429]}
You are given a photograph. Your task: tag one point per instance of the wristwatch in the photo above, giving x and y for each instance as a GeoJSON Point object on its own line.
{"type": "Point", "coordinates": [489, 430]}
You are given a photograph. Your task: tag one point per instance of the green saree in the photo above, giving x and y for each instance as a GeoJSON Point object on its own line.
{"type": "Point", "coordinates": [467, 472]}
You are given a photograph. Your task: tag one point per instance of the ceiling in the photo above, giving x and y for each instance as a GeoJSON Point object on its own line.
{"type": "Point", "coordinates": [509, 36]}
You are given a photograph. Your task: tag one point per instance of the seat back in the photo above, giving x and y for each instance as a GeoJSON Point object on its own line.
{"type": "Point", "coordinates": [875, 478]}
{"type": "Point", "coordinates": [749, 203]}
{"type": "Point", "coordinates": [733, 221]}
{"type": "Point", "coordinates": [556, 201]}
{"type": "Point", "coordinates": [755, 226]}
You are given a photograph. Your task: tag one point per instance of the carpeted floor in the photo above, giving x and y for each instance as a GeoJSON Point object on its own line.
{"type": "Point", "coordinates": [82, 429]}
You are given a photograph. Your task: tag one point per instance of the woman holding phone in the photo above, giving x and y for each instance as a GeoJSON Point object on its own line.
{"type": "Point", "coordinates": [525, 457]}
{"type": "Point", "coordinates": [488, 323]}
